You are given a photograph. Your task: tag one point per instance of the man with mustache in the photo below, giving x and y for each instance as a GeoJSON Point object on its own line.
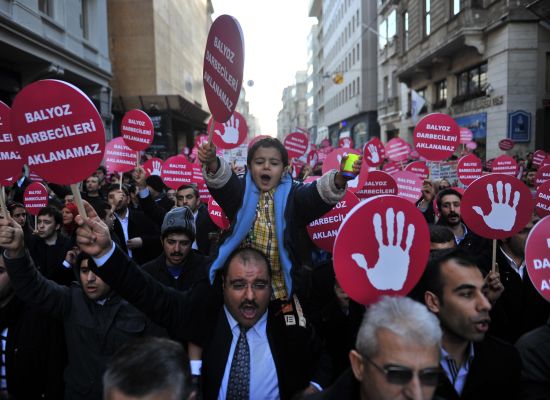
{"type": "Point", "coordinates": [474, 365]}
{"type": "Point", "coordinates": [179, 266]}
{"type": "Point", "coordinates": [448, 203]}
{"type": "Point", "coordinates": [249, 345]}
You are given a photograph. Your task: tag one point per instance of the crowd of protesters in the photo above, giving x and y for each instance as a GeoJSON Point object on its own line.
{"type": "Point", "coordinates": [147, 298]}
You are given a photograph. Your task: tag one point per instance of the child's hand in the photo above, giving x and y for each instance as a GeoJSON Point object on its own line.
{"type": "Point", "coordinates": [207, 156]}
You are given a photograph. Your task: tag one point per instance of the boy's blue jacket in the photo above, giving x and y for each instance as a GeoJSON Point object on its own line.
{"type": "Point", "coordinates": [296, 205]}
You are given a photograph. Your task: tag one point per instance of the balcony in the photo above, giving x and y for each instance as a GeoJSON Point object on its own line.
{"type": "Point", "coordinates": [465, 30]}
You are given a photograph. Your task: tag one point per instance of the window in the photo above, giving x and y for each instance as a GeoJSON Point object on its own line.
{"type": "Point", "coordinates": [357, 17]}
{"type": "Point", "coordinates": [405, 31]}
{"type": "Point", "coordinates": [427, 17]}
{"type": "Point", "coordinates": [353, 86]}
{"type": "Point", "coordinates": [456, 6]}
{"type": "Point", "coordinates": [46, 7]}
{"type": "Point", "coordinates": [548, 72]}
{"type": "Point", "coordinates": [385, 87]}
{"type": "Point", "coordinates": [440, 94]}
{"type": "Point", "coordinates": [471, 83]}
{"type": "Point", "coordinates": [382, 34]}
{"type": "Point", "coordinates": [392, 28]}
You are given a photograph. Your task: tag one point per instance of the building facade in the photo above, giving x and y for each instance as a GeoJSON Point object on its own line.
{"type": "Point", "coordinates": [294, 112]}
{"type": "Point", "coordinates": [157, 50]}
{"type": "Point", "coordinates": [346, 96]}
{"type": "Point", "coordinates": [56, 39]}
{"type": "Point", "coordinates": [485, 63]}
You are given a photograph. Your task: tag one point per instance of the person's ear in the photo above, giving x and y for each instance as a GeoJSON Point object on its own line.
{"type": "Point", "coordinates": [357, 366]}
{"type": "Point", "coordinates": [432, 302]}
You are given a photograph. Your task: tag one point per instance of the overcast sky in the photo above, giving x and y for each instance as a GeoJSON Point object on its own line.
{"type": "Point", "coordinates": [275, 39]}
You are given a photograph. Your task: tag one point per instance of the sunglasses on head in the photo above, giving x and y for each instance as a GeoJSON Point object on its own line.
{"type": "Point", "coordinates": [399, 375]}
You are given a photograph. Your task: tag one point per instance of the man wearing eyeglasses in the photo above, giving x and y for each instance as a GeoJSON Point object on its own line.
{"type": "Point", "coordinates": [396, 355]}
{"type": "Point", "coordinates": [475, 365]}
{"type": "Point", "coordinates": [179, 266]}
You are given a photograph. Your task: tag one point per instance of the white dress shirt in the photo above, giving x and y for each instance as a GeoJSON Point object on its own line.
{"type": "Point", "coordinates": [264, 383]}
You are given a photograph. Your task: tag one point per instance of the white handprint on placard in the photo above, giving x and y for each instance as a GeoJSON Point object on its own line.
{"type": "Point", "coordinates": [502, 215]}
{"type": "Point", "coordinates": [230, 131]}
{"type": "Point", "coordinates": [390, 272]}
{"type": "Point", "coordinates": [374, 157]}
{"type": "Point", "coordinates": [157, 168]}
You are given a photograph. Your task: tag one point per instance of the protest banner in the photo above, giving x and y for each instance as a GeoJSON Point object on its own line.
{"type": "Point", "coordinates": [497, 206]}
{"type": "Point", "coordinates": [543, 174]}
{"type": "Point", "coordinates": [378, 182]}
{"type": "Point", "coordinates": [229, 134]}
{"type": "Point", "coordinates": [505, 165]}
{"type": "Point", "coordinates": [471, 145]}
{"type": "Point", "coordinates": [374, 152]}
{"type": "Point", "coordinates": [542, 199]}
{"type": "Point", "coordinates": [198, 179]}
{"type": "Point", "coordinates": [217, 215]}
{"type": "Point", "coordinates": [469, 169]}
{"type": "Point", "coordinates": [419, 168]}
{"type": "Point", "coordinates": [323, 230]}
{"type": "Point", "coordinates": [296, 144]}
{"type": "Point", "coordinates": [137, 130]}
{"type": "Point", "coordinates": [334, 158]}
{"type": "Point", "coordinates": [409, 185]}
{"type": "Point", "coordinates": [436, 136]}
{"type": "Point", "coordinates": [176, 171]}
{"type": "Point", "coordinates": [10, 159]}
{"type": "Point", "coordinates": [237, 155]}
{"type": "Point", "coordinates": [538, 157]}
{"type": "Point", "coordinates": [391, 167]}
{"type": "Point", "coordinates": [506, 144]}
{"type": "Point", "coordinates": [398, 150]}
{"type": "Point", "coordinates": [153, 166]}
{"type": "Point", "coordinates": [466, 135]}
{"type": "Point", "coordinates": [312, 158]}
{"type": "Point", "coordinates": [381, 248]}
{"type": "Point", "coordinates": [345, 142]}
{"type": "Point", "coordinates": [119, 157]}
{"type": "Point", "coordinates": [35, 197]}
{"type": "Point", "coordinates": [60, 133]}
{"type": "Point", "coordinates": [223, 67]}
{"type": "Point", "coordinates": [537, 257]}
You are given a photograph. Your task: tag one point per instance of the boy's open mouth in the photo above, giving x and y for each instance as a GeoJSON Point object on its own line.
{"type": "Point", "coordinates": [265, 178]}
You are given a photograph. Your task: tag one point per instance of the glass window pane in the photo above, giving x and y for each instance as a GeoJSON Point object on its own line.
{"type": "Point", "coordinates": [392, 29]}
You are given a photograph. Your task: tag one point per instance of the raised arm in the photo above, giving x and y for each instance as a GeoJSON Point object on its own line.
{"type": "Point", "coordinates": [30, 286]}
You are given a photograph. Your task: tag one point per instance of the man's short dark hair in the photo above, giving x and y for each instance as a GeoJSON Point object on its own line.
{"type": "Point", "coordinates": [116, 186]}
{"type": "Point", "coordinates": [102, 169]}
{"type": "Point", "coordinates": [52, 212]}
{"type": "Point", "coordinates": [265, 143]}
{"type": "Point", "coordinates": [148, 366]}
{"type": "Point", "coordinates": [246, 254]}
{"type": "Point", "coordinates": [440, 234]}
{"type": "Point", "coordinates": [190, 186]}
{"type": "Point", "coordinates": [432, 279]}
{"type": "Point", "coordinates": [446, 192]}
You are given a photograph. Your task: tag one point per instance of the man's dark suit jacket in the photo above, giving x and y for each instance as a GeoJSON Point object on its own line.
{"type": "Point", "coordinates": [520, 308]}
{"type": "Point", "coordinates": [296, 351]}
{"type": "Point", "coordinates": [494, 373]}
{"type": "Point", "coordinates": [139, 225]}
